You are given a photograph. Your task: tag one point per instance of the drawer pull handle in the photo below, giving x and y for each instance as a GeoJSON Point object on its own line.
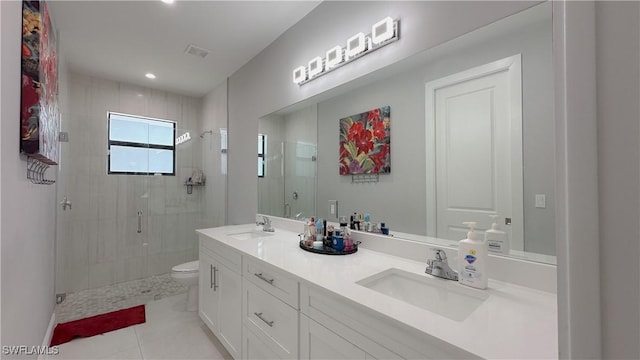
{"type": "Point", "coordinates": [261, 277]}
{"type": "Point", "coordinates": [259, 315]}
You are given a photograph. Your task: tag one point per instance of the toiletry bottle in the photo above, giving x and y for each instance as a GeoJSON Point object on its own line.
{"type": "Point", "coordinates": [472, 257]}
{"type": "Point", "coordinates": [312, 229]}
{"type": "Point", "coordinates": [319, 230]}
{"type": "Point", "coordinates": [367, 222]}
{"type": "Point", "coordinates": [496, 239]}
{"type": "Point", "coordinates": [343, 225]}
{"type": "Point", "coordinates": [384, 229]}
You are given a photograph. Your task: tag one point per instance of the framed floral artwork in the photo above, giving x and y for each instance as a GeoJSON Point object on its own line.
{"type": "Point", "coordinates": [365, 142]}
{"type": "Point", "coordinates": [39, 113]}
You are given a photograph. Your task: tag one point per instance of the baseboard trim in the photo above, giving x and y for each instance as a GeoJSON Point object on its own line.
{"type": "Point", "coordinates": [47, 336]}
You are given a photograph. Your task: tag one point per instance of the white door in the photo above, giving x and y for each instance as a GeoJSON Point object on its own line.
{"type": "Point", "coordinates": [474, 121]}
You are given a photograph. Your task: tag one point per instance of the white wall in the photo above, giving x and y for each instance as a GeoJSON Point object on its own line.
{"type": "Point", "coordinates": [99, 244]}
{"type": "Point", "coordinates": [214, 161]}
{"type": "Point", "coordinates": [618, 79]}
{"type": "Point", "coordinates": [399, 198]}
{"type": "Point", "coordinates": [28, 211]}
{"type": "Point", "coordinates": [254, 92]}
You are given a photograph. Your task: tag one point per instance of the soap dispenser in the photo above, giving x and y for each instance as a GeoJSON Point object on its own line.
{"type": "Point", "coordinates": [496, 239]}
{"type": "Point", "coordinates": [472, 256]}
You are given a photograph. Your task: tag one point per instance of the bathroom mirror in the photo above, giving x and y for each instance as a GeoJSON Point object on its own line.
{"type": "Point", "coordinates": [287, 163]}
{"type": "Point", "coordinates": [452, 160]}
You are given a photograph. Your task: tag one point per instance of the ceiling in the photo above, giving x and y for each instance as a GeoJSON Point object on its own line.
{"type": "Point", "coordinates": [124, 40]}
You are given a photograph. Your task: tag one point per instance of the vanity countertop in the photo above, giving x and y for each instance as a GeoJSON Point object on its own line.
{"type": "Point", "coordinates": [514, 322]}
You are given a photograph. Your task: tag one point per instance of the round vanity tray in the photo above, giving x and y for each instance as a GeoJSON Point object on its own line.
{"type": "Point", "coordinates": [328, 250]}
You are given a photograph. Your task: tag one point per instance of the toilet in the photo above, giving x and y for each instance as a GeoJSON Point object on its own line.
{"type": "Point", "coordinates": [188, 274]}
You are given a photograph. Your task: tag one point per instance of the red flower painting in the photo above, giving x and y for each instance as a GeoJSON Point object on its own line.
{"type": "Point", "coordinates": [365, 142]}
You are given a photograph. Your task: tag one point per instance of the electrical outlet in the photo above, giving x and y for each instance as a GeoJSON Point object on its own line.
{"type": "Point", "coordinates": [541, 201]}
{"type": "Point", "coordinates": [333, 209]}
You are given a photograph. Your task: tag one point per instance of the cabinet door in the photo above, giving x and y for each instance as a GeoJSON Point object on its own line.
{"type": "Point", "coordinates": [208, 299]}
{"type": "Point", "coordinates": [318, 342]}
{"type": "Point", "coordinates": [230, 309]}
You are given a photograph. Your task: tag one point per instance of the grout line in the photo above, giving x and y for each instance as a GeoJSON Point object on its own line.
{"type": "Point", "coordinates": [138, 339]}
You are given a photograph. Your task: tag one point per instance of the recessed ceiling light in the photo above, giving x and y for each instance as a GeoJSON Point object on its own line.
{"type": "Point", "coordinates": [168, 1]}
{"type": "Point", "coordinates": [150, 76]}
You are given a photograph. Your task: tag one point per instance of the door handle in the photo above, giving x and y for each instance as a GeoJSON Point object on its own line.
{"type": "Point", "coordinates": [139, 222]}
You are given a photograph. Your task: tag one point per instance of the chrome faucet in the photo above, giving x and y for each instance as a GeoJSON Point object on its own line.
{"type": "Point", "coordinates": [266, 224]}
{"type": "Point", "coordinates": [440, 267]}
{"type": "Point", "coordinates": [299, 216]}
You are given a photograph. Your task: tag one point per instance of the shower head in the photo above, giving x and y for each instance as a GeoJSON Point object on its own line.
{"type": "Point", "coordinates": [206, 132]}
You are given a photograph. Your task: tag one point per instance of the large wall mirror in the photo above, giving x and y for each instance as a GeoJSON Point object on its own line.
{"type": "Point", "coordinates": [472, 135]}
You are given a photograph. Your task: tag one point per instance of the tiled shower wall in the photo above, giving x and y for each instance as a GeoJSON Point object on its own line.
{"type": "Point", "coordinates": [98, 243]}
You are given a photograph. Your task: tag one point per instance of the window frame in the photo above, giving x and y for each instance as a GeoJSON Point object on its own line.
{"type": "Point", "coordinates": [140, 145]}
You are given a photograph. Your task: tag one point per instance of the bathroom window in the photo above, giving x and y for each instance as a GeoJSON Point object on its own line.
{"type": "Point", "coordinates": [140, 145]}
{"type": "Point", "coordinates": [262, 143]}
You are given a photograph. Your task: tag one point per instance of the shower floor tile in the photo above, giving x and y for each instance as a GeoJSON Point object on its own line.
{"type": "Point", "coordinates": [124, 295]}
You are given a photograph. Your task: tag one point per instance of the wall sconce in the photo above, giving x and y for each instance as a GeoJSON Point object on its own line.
{"type": "Point", "coordinates": [299, 75]}
{"type": "Point", "coordinates": [383, 33]}
{"type": "Point", "coordinates": [356, 44]}
{"type": "Point", "coordinates": [334, 57]}
{"type": "Point", "coordinates": [315, 67]}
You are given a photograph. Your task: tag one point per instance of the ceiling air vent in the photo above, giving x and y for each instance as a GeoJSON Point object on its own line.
{"type": "Point", "coordinates": [196, 51]}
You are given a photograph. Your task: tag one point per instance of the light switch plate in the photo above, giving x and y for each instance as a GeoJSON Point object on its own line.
{"type": "Point", "coordinates": [333, 209]}
{"type": "Point", "coordinates": [541, 201]}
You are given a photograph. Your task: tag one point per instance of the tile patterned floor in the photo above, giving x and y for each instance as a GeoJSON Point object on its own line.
{"type": "Point", "coordinates": [102, 300]}
{"type": "Point", "coordinates": [170, 332]}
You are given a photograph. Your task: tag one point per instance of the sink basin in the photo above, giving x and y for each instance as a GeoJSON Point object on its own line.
{"type": "Point", "coordinates": [443, 297]}
{"type": "Point", "coordinates": [248, 235]}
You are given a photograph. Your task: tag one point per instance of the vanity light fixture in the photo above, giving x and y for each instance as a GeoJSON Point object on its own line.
{"type": "Point", "coordinates": [334, 57]}
{"type": "Point", "coordinates": [168, 1]}
{"type": "Point", "coordinates": [299, 75]}
{"type": "Point", "coordinates": [383, 33]}
{"type": "Point", "coordinates": [149, 76]}
{"type": "Point", "coordinates": [315, 67]}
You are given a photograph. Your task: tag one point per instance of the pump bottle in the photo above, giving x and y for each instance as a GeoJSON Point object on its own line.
{"type": "Point", "coordinates": [496, 239]}
{"type": "Point", "coordinates": [472, 257]}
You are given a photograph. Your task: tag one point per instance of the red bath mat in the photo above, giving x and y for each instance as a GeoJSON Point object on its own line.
{"type": "Point", "coordinates": [98, 324]}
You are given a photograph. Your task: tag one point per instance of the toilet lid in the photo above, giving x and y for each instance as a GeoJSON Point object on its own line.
{"type": "Point", "coordinates": [187, 267]}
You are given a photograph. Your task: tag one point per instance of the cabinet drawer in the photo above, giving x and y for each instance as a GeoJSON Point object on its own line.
{"type": "Point", "coordinates": [256, 349]}
{"type": "Point", "coordinates": [273, 320]}
{"type": "Point", "coordinates": [272, 280]}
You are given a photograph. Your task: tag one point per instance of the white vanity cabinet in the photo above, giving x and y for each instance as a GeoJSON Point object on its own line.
{"type": "Point", "coordinates": [270, 312]}
{"type": "Point", "coordinates": [220, 294]}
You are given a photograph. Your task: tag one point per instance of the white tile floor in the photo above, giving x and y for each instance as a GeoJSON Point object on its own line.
{"type": "Point", "coordinates": [169, 332]}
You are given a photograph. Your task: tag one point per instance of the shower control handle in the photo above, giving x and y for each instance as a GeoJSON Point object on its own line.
{"type": "Point", "coordinates": [139, 222]}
